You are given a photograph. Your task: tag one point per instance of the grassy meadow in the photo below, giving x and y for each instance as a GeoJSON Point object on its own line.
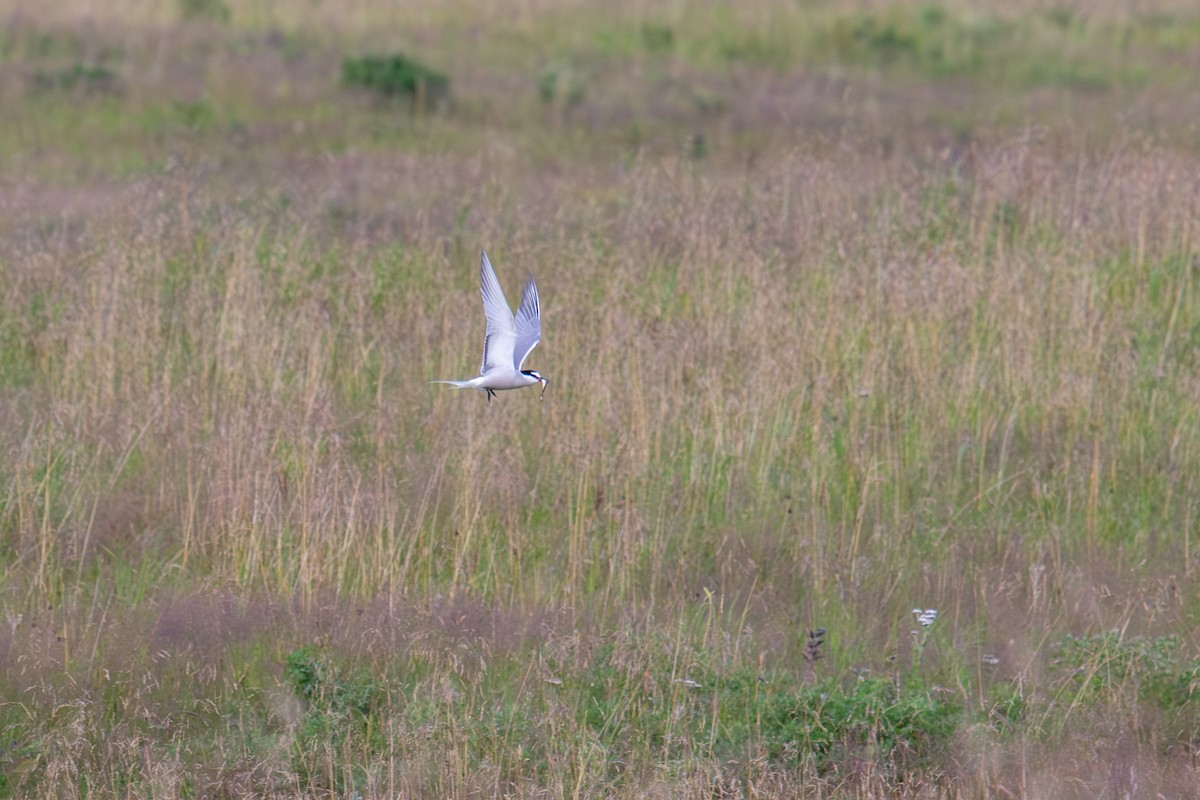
{"type": "Point", "coordinates": [849, 309]}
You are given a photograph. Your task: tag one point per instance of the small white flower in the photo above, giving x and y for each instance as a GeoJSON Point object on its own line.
{"type": "Point", "coordinates": [925, 618]}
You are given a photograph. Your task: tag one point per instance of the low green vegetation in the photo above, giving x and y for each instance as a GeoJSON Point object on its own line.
{"type": "Point", "coordinates": [990, 46]}
{"type": "Point", "coordinates": [631, 717]}
{"type": "Point", "coordinates": [1104, 666]}
{"type": "Point", "coordinates": [210, 10]}
{"type": "Point", "coordinates": [79, 76]}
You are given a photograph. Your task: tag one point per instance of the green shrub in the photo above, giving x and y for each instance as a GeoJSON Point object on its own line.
{"type": "Point", "coordinates": [657, 38]}
{"type": "Point", "coordinates": [217, 10]}
{"type": "Point", "coordinates": [397, 75]}
{"type": "Point", "coordinates": [561, 86]}
{"type": "Point", "coordinates": [341, 707]}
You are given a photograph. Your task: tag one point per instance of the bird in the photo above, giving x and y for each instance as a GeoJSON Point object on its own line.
{"type": "Point", "coordinates": [509, 339]}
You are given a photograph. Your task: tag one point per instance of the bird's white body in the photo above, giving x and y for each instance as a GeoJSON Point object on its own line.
{"type": "Point", "coordinates": [497, 382]}
{"type": "Point", "coordinates": [509, 338]}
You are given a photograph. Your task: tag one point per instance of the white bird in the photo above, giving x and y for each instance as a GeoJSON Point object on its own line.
{"type": "Point", "coordinates": [508, 340]}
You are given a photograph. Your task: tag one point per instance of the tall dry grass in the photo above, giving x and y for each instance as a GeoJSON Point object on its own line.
{"type": "Point", "coordinates": [822, 393]}
{"type": "Point", "coordinates": [826, 372]}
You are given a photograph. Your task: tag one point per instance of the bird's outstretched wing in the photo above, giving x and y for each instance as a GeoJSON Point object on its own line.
{"type": "Point", "coordinates": [501, 335]}
{"type": "Point", "coordinates": [528, 324]}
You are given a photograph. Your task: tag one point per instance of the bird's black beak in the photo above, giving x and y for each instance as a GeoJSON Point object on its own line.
{"type": "Point", "coordinates": [545, 385]}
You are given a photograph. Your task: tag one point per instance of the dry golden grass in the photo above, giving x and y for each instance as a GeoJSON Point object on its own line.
{"type": "Point", "coordinates": [858, 354]}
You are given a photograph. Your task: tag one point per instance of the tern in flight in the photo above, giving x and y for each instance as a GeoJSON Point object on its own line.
{"type": "Point", "coordinates": [508, 340]}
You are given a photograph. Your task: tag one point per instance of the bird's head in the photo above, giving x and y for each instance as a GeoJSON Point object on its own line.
{"type": "Point", "coordinates": [537, 376]}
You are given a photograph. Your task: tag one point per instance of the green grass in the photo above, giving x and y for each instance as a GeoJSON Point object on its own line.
{"type": "Point", "coordinates": [848, 310]}
{"type": "Point", "coordinates": [991, 46]}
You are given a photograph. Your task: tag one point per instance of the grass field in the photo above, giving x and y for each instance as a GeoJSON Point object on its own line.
{"type": "Point", "coordinates": [849, 309]}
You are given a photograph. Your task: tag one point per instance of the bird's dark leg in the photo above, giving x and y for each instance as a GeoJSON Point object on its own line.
{"type": "Point", "coordinates": [490, 394]}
